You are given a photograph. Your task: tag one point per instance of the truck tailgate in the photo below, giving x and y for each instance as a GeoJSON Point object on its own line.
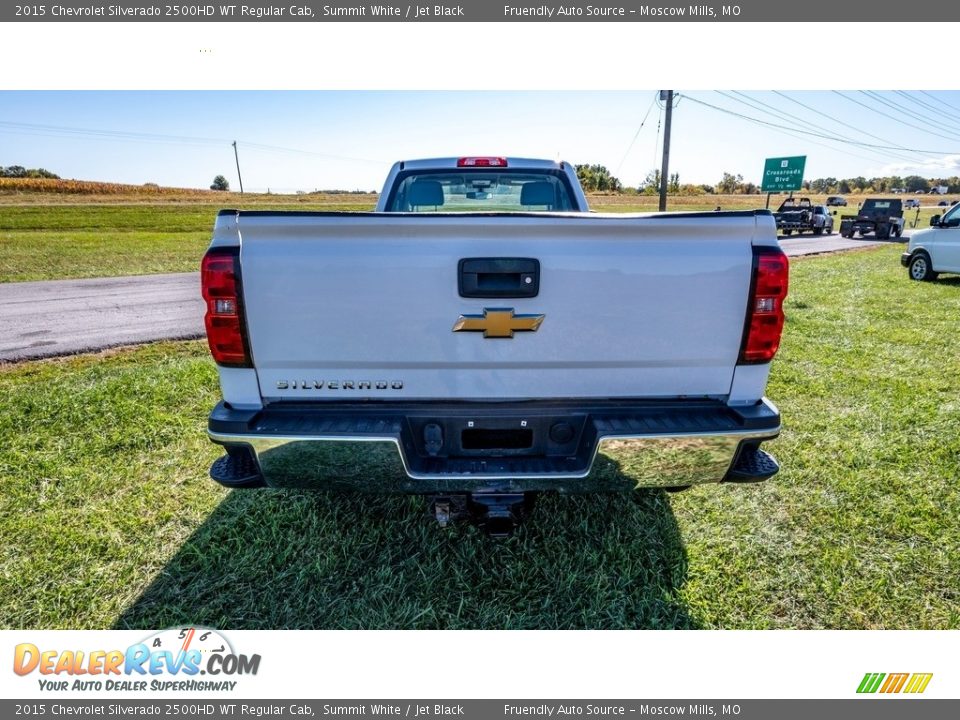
{"type": "Point", "coordinates": [363, 305]}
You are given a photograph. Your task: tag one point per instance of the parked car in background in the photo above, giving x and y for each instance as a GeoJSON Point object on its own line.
{"type": "Point", "coordinates": [943, 203]}
{"type": "Point", "coordinates": [822, 220]}
{"type": "Point", "coordinates": [836, 201]}
{"type": "Point", "coordinates": [936, 249]}
{"type": "Point", "coordinates": [911, 203]}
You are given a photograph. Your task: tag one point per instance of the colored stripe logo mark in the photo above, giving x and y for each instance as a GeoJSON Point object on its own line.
{"type": "Point", "coordinates": [913, 683]}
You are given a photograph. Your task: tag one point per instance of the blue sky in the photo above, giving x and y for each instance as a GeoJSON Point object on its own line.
{"type": "Point", "coordinates": [347, 139]}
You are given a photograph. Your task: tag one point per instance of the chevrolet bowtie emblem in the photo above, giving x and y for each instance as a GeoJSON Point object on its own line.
{"type": "Point", "coordinates": [498, 323]}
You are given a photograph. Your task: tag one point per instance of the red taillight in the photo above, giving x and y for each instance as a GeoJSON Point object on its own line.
{"type": "Point", "coordinates": [220, 282]}
{"type": "Point", "coordinates": [765, 317]}
{"type": "Point", "coordinates": [482, 162]}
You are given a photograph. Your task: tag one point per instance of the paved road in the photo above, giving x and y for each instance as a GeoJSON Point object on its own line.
{"type": "Point", "coordinates": [63, 317]}
{"type": "Point", "coordinates": [814, 245]}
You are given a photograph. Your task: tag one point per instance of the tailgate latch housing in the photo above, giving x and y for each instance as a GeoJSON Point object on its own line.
{"type": "Point", "coordinates": [499, 277]}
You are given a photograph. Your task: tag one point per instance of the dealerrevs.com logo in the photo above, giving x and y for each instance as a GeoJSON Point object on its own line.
{"type": "Point", "coordinates": [169, 660]}
{"type": "Point", "coordinates": [910, 683]}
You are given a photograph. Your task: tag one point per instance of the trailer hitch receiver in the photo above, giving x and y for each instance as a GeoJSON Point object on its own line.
{"type": "Point", "coordinates": [497, 514]}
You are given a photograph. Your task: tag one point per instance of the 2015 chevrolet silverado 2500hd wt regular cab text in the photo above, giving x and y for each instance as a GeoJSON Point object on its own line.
{"type": "Point", "coordinates": [480, 336]}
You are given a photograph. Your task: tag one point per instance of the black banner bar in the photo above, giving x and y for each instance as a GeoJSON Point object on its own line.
{"type": "Point", "coordinates": [810, 11]}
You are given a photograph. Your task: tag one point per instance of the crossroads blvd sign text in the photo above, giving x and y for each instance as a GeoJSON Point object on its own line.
{"type": "Point", "coordinates": [784, 173]}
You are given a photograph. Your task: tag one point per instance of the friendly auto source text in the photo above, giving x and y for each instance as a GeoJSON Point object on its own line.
{"type": "Point", "coordinates": [560, 11]}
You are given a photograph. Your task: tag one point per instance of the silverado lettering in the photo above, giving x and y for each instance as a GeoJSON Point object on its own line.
{"type": "Point", "coordinates": [338, 385]}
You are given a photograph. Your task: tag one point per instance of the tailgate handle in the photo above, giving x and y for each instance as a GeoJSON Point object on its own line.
{"type": "Point", "coordinates": [499, 277]}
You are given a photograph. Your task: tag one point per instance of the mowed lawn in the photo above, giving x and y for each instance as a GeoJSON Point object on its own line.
{"type": "Point", "coordinates": [71, 240]}
{"type": "Point", "coordinates": [109, 520]}
{"type": "Point", "coordinates": [46, 237]}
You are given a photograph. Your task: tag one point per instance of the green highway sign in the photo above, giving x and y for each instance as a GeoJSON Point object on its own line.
{"type": "Point", "coordinates": [785, 173]}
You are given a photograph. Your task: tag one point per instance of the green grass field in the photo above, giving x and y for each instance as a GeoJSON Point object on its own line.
{"type": "Point", "coordinates": [110, 520]}
{"type": "Point", "coordinates": [45, 237]}
{"type": "Point", "coordinates": [71, 240]}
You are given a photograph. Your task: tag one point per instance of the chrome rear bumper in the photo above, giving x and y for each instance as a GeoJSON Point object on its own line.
{"type": "Point", "coordinates": [618, 448]}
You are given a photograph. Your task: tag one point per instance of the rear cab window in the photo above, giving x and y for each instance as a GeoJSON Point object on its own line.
{"type": "Point", "coordinates": [882, 205]}
{"type": "Point", "coordinates": [493, 190]}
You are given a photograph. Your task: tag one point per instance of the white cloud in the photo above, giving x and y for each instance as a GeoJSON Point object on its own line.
{"type": "Point", "coordinates": [945, 166]}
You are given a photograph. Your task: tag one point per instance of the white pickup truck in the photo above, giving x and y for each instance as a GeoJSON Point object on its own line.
{"type": "Point", "coordinates": [481, 336]}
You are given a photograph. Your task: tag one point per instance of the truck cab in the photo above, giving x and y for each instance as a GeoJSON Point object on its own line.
{"type": "Point", "coordinates": [482, 184]}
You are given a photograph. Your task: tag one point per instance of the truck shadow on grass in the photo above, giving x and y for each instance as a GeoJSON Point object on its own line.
{"type": "Point", "coordinates": [291, 559]}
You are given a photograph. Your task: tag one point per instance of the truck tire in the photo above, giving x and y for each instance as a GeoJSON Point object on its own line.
{"type": "Point", "coordinates": [899, 231]}
{"type": "Point", "coordinates": [883, 232]}
{"type": "Point", "coordinates": [818, 231]}
{"type": "Point", "coordinates": [920, 267]}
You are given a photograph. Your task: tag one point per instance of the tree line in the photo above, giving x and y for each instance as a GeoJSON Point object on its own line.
{"type": "Point", "coordinates": [18, 171]}
{"type": "Point", "coordinates": [597, 178]}
{"type": "Point", "coordinates": [910, 184]}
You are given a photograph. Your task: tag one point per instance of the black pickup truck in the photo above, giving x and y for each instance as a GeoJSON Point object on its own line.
{"type": "Point", "coordinates": [881, 216]}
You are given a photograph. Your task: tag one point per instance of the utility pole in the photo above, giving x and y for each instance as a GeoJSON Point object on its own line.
{"type": "Point", "coordinates": [667, 97]}
{"type": "Point", "coordinates": [237, 157]}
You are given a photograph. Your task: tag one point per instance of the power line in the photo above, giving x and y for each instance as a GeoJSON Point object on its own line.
{"type": "Point", "coordinates": [656, 142]}
{"type": "Point", "coordinates": [885, 155]}
{"type": "Point", "coordinates": [897, 120]}
{"type": "Point", "coordinates": [814, 134]}
{"type": "Point", "coordinates": [64, 131]}
{"type": "Point", "coordinates": [784, 131]}
{"type": "Point", "coordinates": [840, 122]}
{"type": "Point", "coordinates": [942, 102]}
{"type": "Point", "coordinates": [909, 113]}
{"type": "Point", "coordinates": [929, 107]}
{"type": "Point", "coordinates": [635, 136]}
